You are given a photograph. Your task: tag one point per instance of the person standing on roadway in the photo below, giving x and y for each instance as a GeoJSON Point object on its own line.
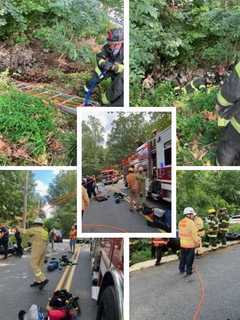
{"type": "Point", "coordinates": [39, 239]}
{"type": "Point", "coordinates": [201, 231]}
{"type": "Point", "coordinates": [141, 180]}
{"type": "Point", "coordinates": [189, 241]}
{"type": "Point", "coordinates": [133, 189]}
{"type": "Point", "coordinates": [73, 238]}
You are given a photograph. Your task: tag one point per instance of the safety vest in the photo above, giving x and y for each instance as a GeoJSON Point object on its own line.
{"type": "Point", "coordinates": [188, 233]}
{"type": "Point", "coordinates": [158, 242]}
{"type": "Point", "coordinates": [228, 95]}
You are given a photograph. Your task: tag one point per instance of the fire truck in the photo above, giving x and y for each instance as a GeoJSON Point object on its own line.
{"type": "Point", "coordinates": [155, 157]}
{"type": "Point", "coordinates": [107, 277]}
{"type": "Point", "coordinates": [109, 176]}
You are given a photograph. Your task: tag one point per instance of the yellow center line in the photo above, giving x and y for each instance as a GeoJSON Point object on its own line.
{"type": "Point", "coordinates": [71, 274]}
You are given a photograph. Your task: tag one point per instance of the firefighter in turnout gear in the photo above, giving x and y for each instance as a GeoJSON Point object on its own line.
{"type": "Point", "coordinates": [189, 241]}
{"type": "Point", "coordinates": [228, 108]}
{"type": "Point", "coordinates": [212, 229]}
{"type": "Point", "coordinates": [223, 226]}
{"type": "Point", "coordinates": [110, 65]}
{"type": "Point", "coordinates": [39, 239]}
{"type": "Point", "coordinates": [201, 231]}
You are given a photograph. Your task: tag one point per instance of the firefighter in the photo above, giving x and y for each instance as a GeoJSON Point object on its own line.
{"type": "Point", "coordinates": [133, 189]}
{"type": "Point", "coordinates": [201, 231]}
{"type": "Point", "coordinates": [212, 229]}
{"type": "Point", "coordinates": [4, 238]}
{"type": "Point", "coordinates": [39, 239]}
{"type": "Point", "coordinates": [159, 246]}
{"type": "Point", "coordinates": [110, 65]}
{"type": "Point", "coordinates": [141, 180]}
{"type": "Point", "coordinates": [189, 241]}
{"type": "Point", "coordinates": [228, 108]}
{"type": "Point", "coordinates": [223, 218]}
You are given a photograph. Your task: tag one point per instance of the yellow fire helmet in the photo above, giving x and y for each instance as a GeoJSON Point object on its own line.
{"type": "Point", "coordinates": [211, 211]}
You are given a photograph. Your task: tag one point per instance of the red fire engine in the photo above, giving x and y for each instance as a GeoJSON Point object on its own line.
{"type": "Point", "coordinates": [155, 157]}
{"type": "Point", "coordinates": [109, 176]}
{"type": "Point", "coordinates": [107, 272]}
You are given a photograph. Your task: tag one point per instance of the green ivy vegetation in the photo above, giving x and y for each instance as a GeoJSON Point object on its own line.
{"type": "Point", "coordinates": [27, 124]}
{"type": "Point", "coordinates": [197, 133]}
{"type": "Point", "coordinates": [182, 34]}
{"type": "Point", "coordinates": [58, 24]}
{"type": "Point", "coordinates": [203, 190]}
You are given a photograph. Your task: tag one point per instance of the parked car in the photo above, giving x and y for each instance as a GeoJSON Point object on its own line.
{"type": "Point", "coordinates": [235, 219]}
{"type": "Point", "coordinates": [58, 237]}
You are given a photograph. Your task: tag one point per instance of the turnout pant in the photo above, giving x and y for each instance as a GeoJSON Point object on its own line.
{"type": "Point", "coordinates": [228, 150]}
{"type": "Point", "coordinates": [187, 256]}
{"type": "Point", "coordinates": [19, 248]}
{"type": "Point", "coordinates": [222, 237]}
{"type": "Point", "coordinates": [37, 260]}
{"type": "Point", "coordinates": [4, 243]}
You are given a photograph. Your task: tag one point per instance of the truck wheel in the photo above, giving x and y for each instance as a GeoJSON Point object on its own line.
{"type": "Point", "coordinates": [107, 308]}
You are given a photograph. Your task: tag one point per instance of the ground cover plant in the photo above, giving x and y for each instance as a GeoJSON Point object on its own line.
{"type": "Point", "coordinates": [55, 42]}
{"type": "Point", "coordinates": [33, 132]}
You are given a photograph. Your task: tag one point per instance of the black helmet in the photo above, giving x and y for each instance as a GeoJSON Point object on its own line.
{"type": "Point", "coordinates": [115, 35]}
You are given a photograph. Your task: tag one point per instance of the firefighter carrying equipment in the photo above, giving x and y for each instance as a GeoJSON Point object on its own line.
{"type": "Point", "coordinates": [109, 65]}
{"type": "Point", "coordinates": [188, 233]}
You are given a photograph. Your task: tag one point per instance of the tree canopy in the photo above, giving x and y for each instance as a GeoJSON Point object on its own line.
{"type": "Point", "coordinates": [128, 131]}
{"type": "Point", "coordinates": [203, 190]}
{"type": "Point", "coordinates": [12, 196]}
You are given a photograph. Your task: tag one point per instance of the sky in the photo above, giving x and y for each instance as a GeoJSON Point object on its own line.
{"type": "Point", "coordinates": [43, 179]}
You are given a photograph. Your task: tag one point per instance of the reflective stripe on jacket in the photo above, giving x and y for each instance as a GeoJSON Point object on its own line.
{"type": "Point", "coordinates": [228, 96]}
{"type": "Point", "coordinates": [188, 233]}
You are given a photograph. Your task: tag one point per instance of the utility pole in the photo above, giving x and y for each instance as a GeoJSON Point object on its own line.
{"type": "Point", "coordinates": [25, 204]}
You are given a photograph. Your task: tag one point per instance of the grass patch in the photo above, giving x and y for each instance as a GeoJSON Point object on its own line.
{"type": "Point", "coordinates": [32, 132]}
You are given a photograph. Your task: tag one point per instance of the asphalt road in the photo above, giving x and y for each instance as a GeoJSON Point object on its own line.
{"type": "Point", "coordinates": [16, 276]}
{"type": "Point", "coordinates": [107, 216]}
{"type": "Point", "coordinates": [212, 294]}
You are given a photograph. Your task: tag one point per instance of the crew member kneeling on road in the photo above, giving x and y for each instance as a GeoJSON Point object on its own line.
{"type": "Point", "coordinates": [39, 240]}
{"type": "Point", "coordinates": [228, 108]}
{"type": "Point", "coordinates": [110, 65]}
{"type": "Point", "coordinates": [189, 241]}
